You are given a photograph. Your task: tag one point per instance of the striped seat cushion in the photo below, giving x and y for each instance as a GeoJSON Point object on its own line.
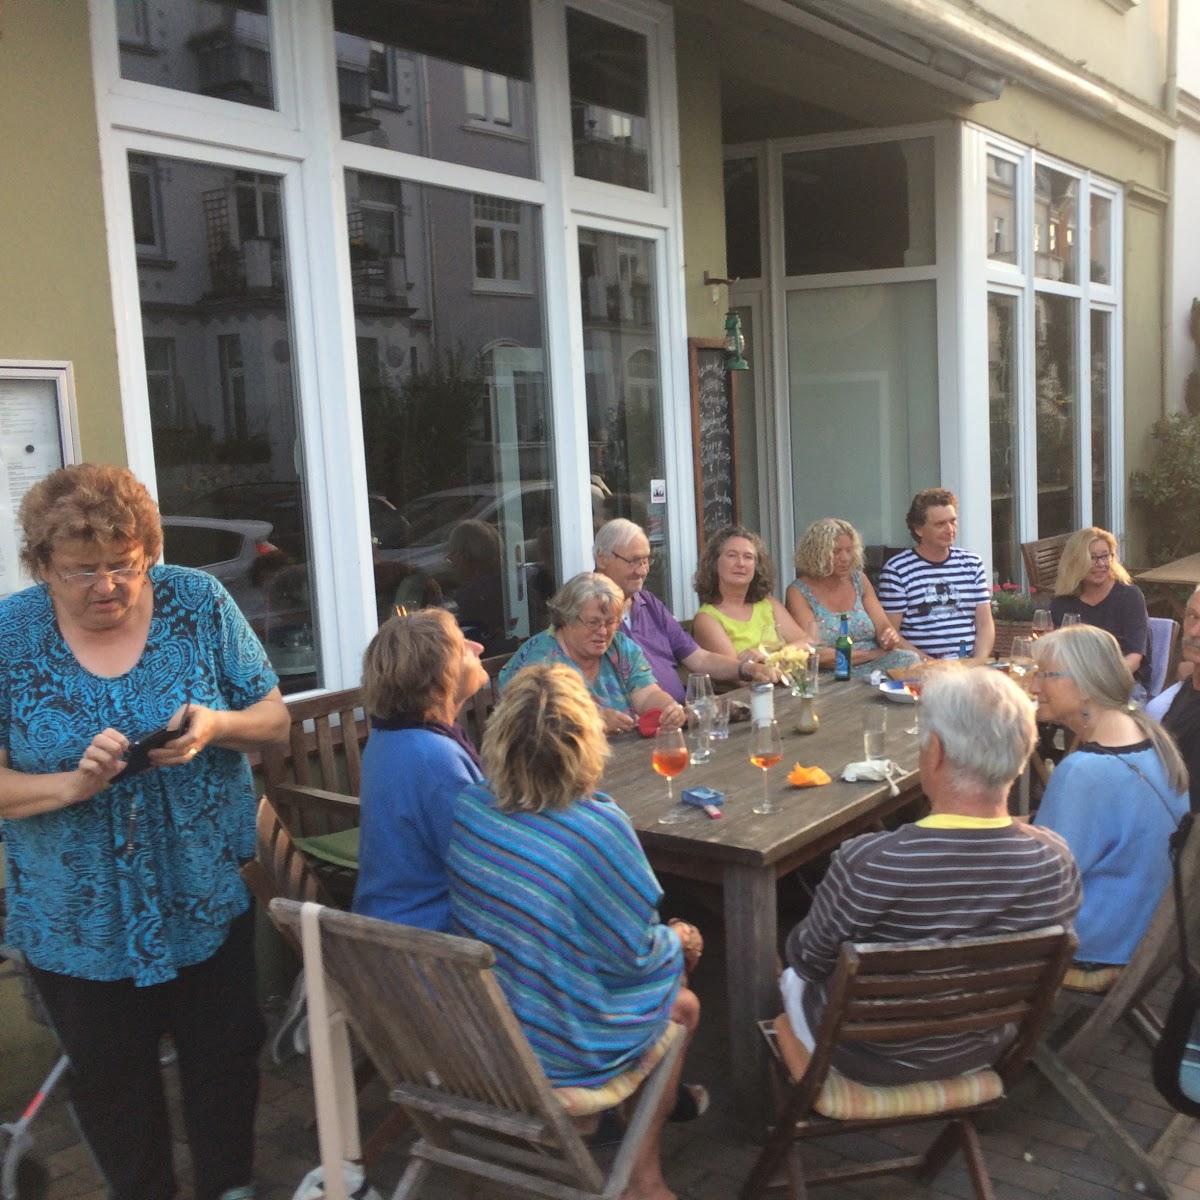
{"type": "Point", "coordinates": [843, 1099]}
{"type": "Point", "coordinates": [1095, 980]}
{"type": "Point", "coordinates": [583, 1102]}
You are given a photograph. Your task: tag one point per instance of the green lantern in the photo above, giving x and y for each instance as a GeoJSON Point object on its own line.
{"type": "Point", "coordinates": [735, 343]}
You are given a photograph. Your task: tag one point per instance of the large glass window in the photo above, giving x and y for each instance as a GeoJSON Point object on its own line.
{"type": "Point", "coordinates": [1056, 400]}
{"type": "Point", "coordinates": [743, 233]}
{"type": "Point", "coordinates": [1002, 423]}
{"type": "Point", "coordinates": [610, 101]}
{"type": "Point", "coordinates": [1101, 328]}
{"type": "Point", "coordinates": [1001, 209]}
{"type": "Point", "coordinates": [859, 208]}
{"type": "Point", "coordinates": [446, 81]}
{"type": "Point", "coordinates": [216, 322]}
{"type": "Point", "coordinates": [213, 47]}
{"type": "Point", "coordinates": [622, 372]}
{"type": "Point", "coordinates": [864, 410]}
{"type": "Point", "coordinates": [1101, 220]}
{"type": "Point", "coordinates": [1055, 225]}
{"type": "Point", "coordinates": [455, 409]}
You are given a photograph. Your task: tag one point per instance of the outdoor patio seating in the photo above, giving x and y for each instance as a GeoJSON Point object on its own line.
{"type": "Point", "coordinates": [1103, 999]}
{"type": "Point", "coordinates": [900, 992]}
{"type": "Point", "coordinates": [1041, 562]}
{"type": "Point", "coordinates": [429, 1014]}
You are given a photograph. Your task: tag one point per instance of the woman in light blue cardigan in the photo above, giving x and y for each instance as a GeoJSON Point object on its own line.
{"type": "Point", "coordinates": [1117, 797]}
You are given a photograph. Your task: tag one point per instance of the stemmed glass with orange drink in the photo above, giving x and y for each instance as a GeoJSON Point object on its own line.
{"type": "Point", "coordinates": [766, 750]}
{"type": "Point", "coordinates": [914, 686]}
{"type": "Point", "coordinates": [670, 758]}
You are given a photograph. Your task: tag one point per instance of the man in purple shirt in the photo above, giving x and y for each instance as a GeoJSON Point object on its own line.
{"type": "Point", "coordinates": [622, 552]}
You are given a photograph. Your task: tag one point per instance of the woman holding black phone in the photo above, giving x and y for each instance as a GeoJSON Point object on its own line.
{"type": "Point", "coordinates": [129, 694]}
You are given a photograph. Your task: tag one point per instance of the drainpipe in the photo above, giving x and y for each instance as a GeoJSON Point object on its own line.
{"type": "Point", "coordinates": [1172, 387]}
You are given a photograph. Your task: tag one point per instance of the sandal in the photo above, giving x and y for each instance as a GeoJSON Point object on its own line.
{"type": "Point", "coordinates": [691, 1101]}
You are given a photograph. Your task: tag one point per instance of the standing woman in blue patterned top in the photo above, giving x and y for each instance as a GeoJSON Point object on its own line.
{"type": "Point", "coordinates": [123, 893]}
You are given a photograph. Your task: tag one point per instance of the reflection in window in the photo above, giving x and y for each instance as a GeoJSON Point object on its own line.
{"type": "Point", "coordinates": [455, 411]}
{"type": "Point", "coordinates": [1055, 225]}
{"type": "Point", "coordinates": [859, 208]}
{"type": "Point", "coordinates": [1102, 513]}
{"type": "Point", "coordinates": [1057, 408]}
{"type": "Point", "coordinates": [216, 48]}
{"type": "Point", "coordinates": [743, 237]}
{"type": "Point", "coordinates": [222, 405]}
{"type": "Point", "coordinates": [1002, 421]}
{"type": "Point", "coordinates": [147, 206]}
{"type": "Point", "coordinates": [609, 76]}
{"type": "Point", "coordinates": [497, 238]}
{"type": "Point", "coordinates": [1001, 209]}
{"type": "Point", "coordinates": [436, 79]}
{"type": "Point", "coordinates": [622, 374]}
{"type": "Point", "coordinates": [1101, 257]}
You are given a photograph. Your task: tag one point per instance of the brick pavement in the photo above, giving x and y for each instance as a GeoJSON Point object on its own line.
{"type": "Point", "coordinates": [1036, 1147]}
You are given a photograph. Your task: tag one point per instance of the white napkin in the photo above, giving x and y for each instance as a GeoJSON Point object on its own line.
{"type": "Point", "coordinates": [877, 770]}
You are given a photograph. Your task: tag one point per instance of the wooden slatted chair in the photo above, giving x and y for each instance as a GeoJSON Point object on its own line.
{"type": "Point", "coordinates": [429, 1013]}
{"type": "Point", "coordinates": [1104, 999]}
{"type": "Point", "coordinates": [898, 992]}
{"type": "Point", "coordinates": [1041, 562]}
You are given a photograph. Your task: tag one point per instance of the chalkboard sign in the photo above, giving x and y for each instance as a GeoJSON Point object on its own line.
{"type": "Point", "coordinates": [712, 435]}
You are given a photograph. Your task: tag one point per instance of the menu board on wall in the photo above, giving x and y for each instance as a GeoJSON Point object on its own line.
{"type": "Point", "coordinates": [712, 435]}
{"type": "Point", "coordinates": [36, 437]}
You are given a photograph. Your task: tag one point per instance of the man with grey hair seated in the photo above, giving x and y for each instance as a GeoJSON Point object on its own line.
{"type": "Point", "coordinates": [622, 552]}
{"type": "Point", "coordinates": [966, 870]}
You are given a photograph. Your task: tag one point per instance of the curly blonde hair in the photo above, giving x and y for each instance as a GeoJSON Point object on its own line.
{"type": "Point", "coordinates": [90, 503]}
{"type": "Point", "coordinates": [814, 551]}
{"type": "Point", "coordinates": [705, 581]}
{"type": "Point", "coordinates": [544, 745]}
{"type": "Point", "coordinates": [1076, 560]}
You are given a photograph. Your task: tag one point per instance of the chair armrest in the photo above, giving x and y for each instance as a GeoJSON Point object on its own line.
{"type": "Point", "coordinates": [311, 811]}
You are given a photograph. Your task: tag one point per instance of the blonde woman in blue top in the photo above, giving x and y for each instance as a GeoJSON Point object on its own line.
{"type": "Point", "coordinates": [830, 581]}
{"type": "Point", "coordinates": [123, 890]}
{"type": "Point", "coordinates": [585, 615]}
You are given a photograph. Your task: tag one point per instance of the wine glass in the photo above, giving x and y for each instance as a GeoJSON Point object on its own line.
{"type": "Point", "coordinates": [670, 758]}
{"type": "Point", "coordinates": [1070, 619]}
{"type": "Point", "coordinates": [700, 700]}
{"type": "Point", "coordinates": [1042, 622]}
{"type": "Point", "coordinates": [1021, 662]}
{"type": "Point", "coordinates": [914, 686]}
{"type": "Point", "coordinates": [766, 749]}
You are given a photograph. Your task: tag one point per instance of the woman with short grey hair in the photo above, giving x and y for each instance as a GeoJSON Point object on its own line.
{"type": "Point", "coordinates": [585, 615]}
{"type": "Point", "coordinates": [1117, 797]}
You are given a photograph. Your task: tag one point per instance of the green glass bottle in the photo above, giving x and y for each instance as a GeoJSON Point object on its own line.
{"type": "Point", "coordinates": [842, 649]}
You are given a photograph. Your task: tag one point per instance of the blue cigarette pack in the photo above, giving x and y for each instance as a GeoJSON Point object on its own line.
{"type": "Point", "coordinates": [703, 797]}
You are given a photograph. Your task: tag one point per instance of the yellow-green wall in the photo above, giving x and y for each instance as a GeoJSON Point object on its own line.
{"type": "Point", "coordinates": [701, 174]}
{"type": "Point", "coordinates": [55, 298]}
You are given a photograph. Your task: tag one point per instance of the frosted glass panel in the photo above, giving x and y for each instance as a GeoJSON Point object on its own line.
{"type": "Point", "coordinates": [864, 405]}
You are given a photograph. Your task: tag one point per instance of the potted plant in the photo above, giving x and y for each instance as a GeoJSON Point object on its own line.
{"type": "Point", "coordinates": [1012, 611]}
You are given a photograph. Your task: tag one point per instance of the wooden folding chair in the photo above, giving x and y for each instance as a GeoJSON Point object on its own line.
{"type": "Point", "coordinates": [899, 992]}
{"type": "Point", "coordinates": [1113, 997]}
{"type": "Point", "coordinates": [429, 1013]}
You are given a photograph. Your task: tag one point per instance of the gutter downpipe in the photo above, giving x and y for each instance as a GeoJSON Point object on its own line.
{"type": "Point", "coordinates": [1172, 387]}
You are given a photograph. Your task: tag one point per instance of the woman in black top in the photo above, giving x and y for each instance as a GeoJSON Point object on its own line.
{"type": "Point", "coordinates": [1092, 583]}
{"type": "Point", "coordinates": [1182, 719]}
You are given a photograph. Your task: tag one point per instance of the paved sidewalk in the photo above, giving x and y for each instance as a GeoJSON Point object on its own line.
{"type": "Point", "coordinates": [1035, 1146]}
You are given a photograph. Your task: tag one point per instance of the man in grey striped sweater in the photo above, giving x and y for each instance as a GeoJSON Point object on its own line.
{"type": "Point", "coordinates": [967, 869]}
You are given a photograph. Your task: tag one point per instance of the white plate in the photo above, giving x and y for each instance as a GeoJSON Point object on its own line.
{"type": "Point", "coordinates": [894, 689]}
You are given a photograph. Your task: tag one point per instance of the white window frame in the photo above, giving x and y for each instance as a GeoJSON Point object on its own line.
{"type": "Point", "coordinates": [982, 274]}
{"type": "Point", "coordinates": [157, 248]}
{"type": "Point", "coordinates": [522, 285]}
{"type": "Point", "coordinates": [300, 141]}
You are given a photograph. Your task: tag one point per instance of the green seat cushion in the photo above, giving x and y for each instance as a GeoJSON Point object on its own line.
{"type": "Point", "coordinates": [338, 849]}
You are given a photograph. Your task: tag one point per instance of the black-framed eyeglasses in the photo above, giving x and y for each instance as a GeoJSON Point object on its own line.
{"type": "Point", "coordinates": [1100, 559]}
{"type": "Point", "coordinates": [643, 560]}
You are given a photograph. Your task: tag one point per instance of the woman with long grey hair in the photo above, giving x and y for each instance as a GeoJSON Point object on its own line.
{"type": "Point", "coordinates": [1117, 797]}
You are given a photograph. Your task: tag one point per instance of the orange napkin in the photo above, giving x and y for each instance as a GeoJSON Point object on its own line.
{"type": "Point", "coordinates": [800, 776]}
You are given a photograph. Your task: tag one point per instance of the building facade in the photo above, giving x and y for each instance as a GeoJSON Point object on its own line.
{"type": "Point", "coordinates": [411, 282]}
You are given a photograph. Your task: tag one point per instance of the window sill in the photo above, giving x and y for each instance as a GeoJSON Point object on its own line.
{"type": "Point", "coordinates": [496, 131]}
{"type": "Point", "coordinates": [145, 49]}
{"type": "Point", "coordinates": [1122, 6]}
{"type": "Point", "coordinates": [155, 261]}
{"type": "Point", "coordinates": [489, 287]}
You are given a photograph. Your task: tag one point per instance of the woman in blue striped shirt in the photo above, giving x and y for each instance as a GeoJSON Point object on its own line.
{"type": "Point", "coordinates": [550, 874]}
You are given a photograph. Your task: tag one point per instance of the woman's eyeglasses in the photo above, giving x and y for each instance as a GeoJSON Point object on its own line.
{"type": "Point", "coordinates": [1040, 675]}
{"type": "Point", "coordinates": [89, 579]}
{"type": "Point", "coordinates": [596, 624]}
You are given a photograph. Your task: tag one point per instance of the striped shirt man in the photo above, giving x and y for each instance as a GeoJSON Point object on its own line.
{"type": "Point", "coordinates": [569, 904]}
{"type": "Point", "coordinates": [936, 602]}
{"type": "Point", "coordinates": [945, 876]}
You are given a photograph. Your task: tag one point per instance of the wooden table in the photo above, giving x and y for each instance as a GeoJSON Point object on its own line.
{"type": "Point", "coordinates": [745, 853]}
{"type": "Point", "coordinates": [1183, 571]}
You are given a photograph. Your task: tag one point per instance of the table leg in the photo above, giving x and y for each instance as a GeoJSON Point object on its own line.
{"type": "Point", "coordinates": [751, 981]}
